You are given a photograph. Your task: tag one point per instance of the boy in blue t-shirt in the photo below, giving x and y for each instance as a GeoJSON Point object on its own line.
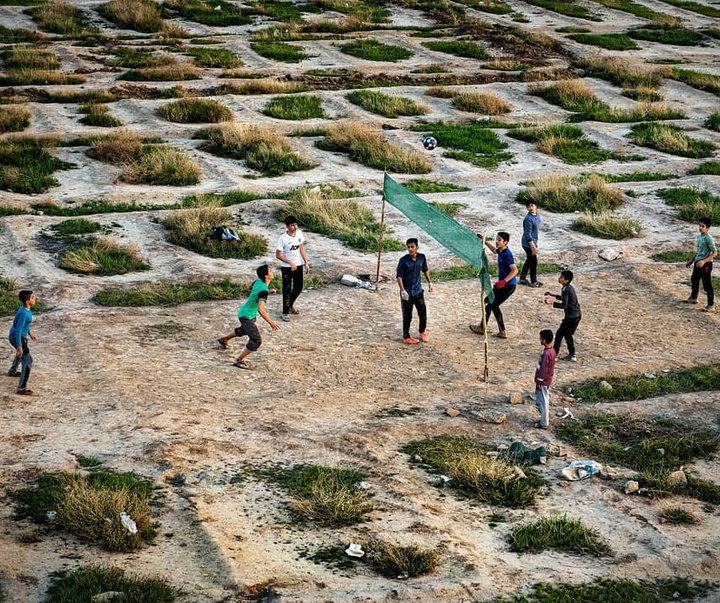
{"type": "Point", "coordinates": [18, 337]}
{"type": "Point", "coordinates": [505, 286]}
{"type": "Point", "coordinates": [702, 263]}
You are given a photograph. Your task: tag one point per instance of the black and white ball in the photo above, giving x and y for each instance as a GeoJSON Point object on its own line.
{"type": "Point", "coordinates": [429, 143]}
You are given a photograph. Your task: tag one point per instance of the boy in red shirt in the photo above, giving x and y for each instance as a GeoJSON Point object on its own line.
{"type": "Point", "coordinates": [543, 378]}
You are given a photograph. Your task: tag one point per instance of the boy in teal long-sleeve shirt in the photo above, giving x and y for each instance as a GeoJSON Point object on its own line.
{"type": "Point", "coordinates": [18, 337]}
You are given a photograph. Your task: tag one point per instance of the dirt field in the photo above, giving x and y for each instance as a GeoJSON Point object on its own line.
{"type": "Point", "coordinates": [148, 390]}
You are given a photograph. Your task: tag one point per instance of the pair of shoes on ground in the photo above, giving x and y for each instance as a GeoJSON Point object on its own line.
{"type": "Point", "coordinates": [24, 391]}
{"type": "Point", "coordinates": [539, 425]}
{"type": "Point", "coordinates": [709, 309]}
{"type": "Point", "coordinates": [413, 341]}
{"type": "Point", "coordinates": [570, 357]}
{"type": "Point", "coordinates": [13, 373]}
{"type": "Point", "coordinates": [241, 364]}
{"type": "Point", "coordinates": [535, 285]}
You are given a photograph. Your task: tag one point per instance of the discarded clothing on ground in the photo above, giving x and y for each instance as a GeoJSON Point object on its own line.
{"type": "Point", "coordinates": [522, 455]}
{"type": "Point", "coordinates": [223, 233]}
{"type": "Point", "coordinates": [581, 470]}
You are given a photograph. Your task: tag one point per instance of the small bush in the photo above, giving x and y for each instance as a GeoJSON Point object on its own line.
{"type": "Point", "coordinates": [30, 58]}
{"type": "Point", "coordinates": [469, 50]}
{"type": "Point", "coordinates": [564, 141]}
{"type": "Point", "coordinates": [713, 121]}
{"type": "Point", "coordinates": [101, 257]}
{"type": "Point", "coordinates": [120, 147]}
{"type": "Point", "coordinates": [369, 148]}
{"type": "Point", "coordinates": [38, 77]}
{"type": "Point", "coordinates": [398, 561]}
{"type": "Point", "coordinates": [62, 17]}
{"type": "Point", "coordinates": [89, 507]}
{"type": "Point", "coordinates": [325, 495]}
{"type": "Point", "coordinates": [672, 257]}
{"type": "Point", "coordinates": [385, 105]}
{"type": "Point", "coordinates": [372, 50]}
{"type": "Point", "coordinates": [77, 226]}
{"type": "Point", "coordinates": [297, 107]}
{"type": "Point", "coordinates": [561, 194]}
{"type": "Point", "coordinates": [98, 115]}
{"type": "Point", "coordinates": [267, 86]}
{"type": "Point", "coordinates": [190, 228]}
{"type": "Point", "coordinates": [9, 302]}
{"type": "Point", "coordinates": [489, 480]}
{"type": "Point", "coordinates": [558, 534]}
{"type": "Point", "coordinates": [606, 226]}
{"type": "Point", "coordinates": [161, 166]}
{"type": "Point", "coordinates": [203, 11]}
{"type": "Point", "coordinates": [669, 138]}
{"type": "Point", "coordinates": [14, 119]}
{"type": "Point", "coordinates": [279, 51]}
{"type": "Point", "coordinates": [421, 186]}
{"type": "Point", "coordinates": [26, 165]}
{"type": "Point", "coordinates": [84, 584]}
{"type": "Point", "coordinates": [692, 203]}
{"type": "Point", "coordinates": [195, 111]}
{"type": "Point", "coordinates": [215, 58]}
{"type": "Point", "coordinates": [476, 102]}
{"type": "Point", "coordinates": [348, 221]}
{"type": "Point", "coordinates": [260, 146]}
{"type": "Point", "coordinates": [707, 168]}
{"type": "Point", "coordinates": [677, 516]}
{"type": "Point", "coordinates": [165, 73]}
{"type": "Point", "coordinates": [140, 15]}
{"type": "Point", "coordinates": [678, 36]}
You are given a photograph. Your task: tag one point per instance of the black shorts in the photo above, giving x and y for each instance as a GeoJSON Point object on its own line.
{"type": "Point", "coordinates": [249, 328]}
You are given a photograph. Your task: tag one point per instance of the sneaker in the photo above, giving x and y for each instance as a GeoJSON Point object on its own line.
{"type": "Point", "coordinates": [222, 343]}
{"type": "Point", "coordinates": [709, 309]}
{"type": "Point", "coordinates": [294, 311]}
{"type": "Point", "coordinates": [536, 284]}
{"type": "Point", "coordinates": [477, 329]}
{"type": "Point", "coordinates": [285, 318]}
{"type": "Point", "coordinates": [502, 334]}
{"type": "Point", "coordinates": [524, 281]}
{"type": "Point", "coordinates": [570, 357]}
{"type": "Point", "coordinates": [24, 391]}
{"type": "Point", "coordinates": [13, 373]}
{"type": "Point", "coordinates": [424, 337]}
{"type": "Point", "coordinates": [242, 365]}
{"type": "Point", "coordinates": [691, 300]}
{"type": "Point", "coordinates": [539, 425]}
{"type": "Point", "coordinates": [411, 340]}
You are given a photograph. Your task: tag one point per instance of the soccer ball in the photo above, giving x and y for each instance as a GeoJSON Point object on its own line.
{"type": "Point", "coordinates": [429, 143]}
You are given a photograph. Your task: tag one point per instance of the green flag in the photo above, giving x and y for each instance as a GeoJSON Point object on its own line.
{"type": "Point", "coordinates": [462, 241]}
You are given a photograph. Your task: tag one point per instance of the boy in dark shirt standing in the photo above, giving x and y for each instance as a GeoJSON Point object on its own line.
{"type": "Point", "coordinates": [569, 303]}
{"type": "Point", "coordinates": [409, 269]}
{"type": "Point", "coordinates": [544, 374]}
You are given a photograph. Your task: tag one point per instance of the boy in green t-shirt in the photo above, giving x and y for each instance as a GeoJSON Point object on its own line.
{"type": "Point", "coordinates": [254, 305]}
{"type": "Point", "coordinates": [702, 266]}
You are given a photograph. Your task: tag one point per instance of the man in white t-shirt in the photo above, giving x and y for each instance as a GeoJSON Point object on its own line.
{"type": "Point", "coordinates": [291, 253]}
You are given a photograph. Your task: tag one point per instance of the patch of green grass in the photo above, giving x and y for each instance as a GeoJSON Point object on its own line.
{"type": "Point", "coordinates": [421, 186]}
{"type": "Point", "coordinates": [62, 17]}
{"type": "Point", "coordinates": [195, 111]}
{"type": "Point", "coordinates": [713, 32]}
{"type": "Point", "coordinates": [361, 12]}
{"type": "Point", "coordinates": [9, 302]}
{"type": "Point", "coordinates": [277, 10]}
{"type": "Point", "coordinates": [279, 51]}
{"type": "Point", "coordinates": [400, 561]}
{"type": "Point", "coordinates": [396, 411]}
{"type": "Point", "coordinates": [458, 48]}
{"type": "Point", "coordinates": [611, 591]}
{"type": "Point", "coordinates": [677, 516]}
{"type": "Point", "coordinates": [558, 534]}
{"type": "Point", "coordinates": [635, 177]}
{"type": "Point", "coordinates": [77, 226]}
{"type": "Point", "coordinates": [474, 143]}
{"type": "Point", "coordinates": [82, 586]}
{"type": "Point", "coordinates": [203, 11]}
{"type": "Point", "coordinates": [190, 228]}
{"type": "Point", "coordinates": [89, 506]}
{"type": "Point", "coordinates": [7, 210]}
{"type": "Point", "coordinates": [296, 107]}
{"type": "Point", "coordinates": [348, 221]}
{"type": "Point", "coordinates": [333, 557]}
{"type": "Point", "coordinates": [139, 58]}
{"type": "Point", "coordinates": [692, 203]}
{"type": "Point", "coordinates": [451, 209]}
{"type": "Point", "coordinates": [176, 72]}
{"type": "Point", "coordinates": [14, 119]}
{"type": "Point", "coordinates": [606, 41]}
{"type": "Point", "coordinates": [566, 142]}
{"type": "Point", "coordinates": [324, 191]}
{"type": "Point", "coordinates": [87, 461]}
{"type": "Point", "coordinates": [562, 194]}
{"type": "Point", "coordinates": [639, 387]}
{"type": "Point", "coordinates": [473, 473]}
{"type": "Point", "coordinates": [161, 165]}
{"type": "Point", "coordinates": [140, 15]}
{"type": "Point", "coordinates": [220, 199]}
{"type": "Point", "coordinates": [372, 50]}
{"type": "Point", "coordinates": [99, 116]}
{"type": "Point", "coordinates": [707, 168]}
{"type": "Point", "coordinates": [455, 273]}
{"type": "Point", "coordinates": [639, 10]}
{"type": "Point", "coordinates": [214, 57]}
{"type": "Point", "coordinates": [325, 495]}
{"type": "Point", "coordinates": [101, 257]}
{"type": "Point", "coordinates": [27, 167]}
{"type": "Point", "coordinates": [88, 208]}
{"type": "Point", "coordinates": [697, 79]}
{"type": "Point", "coordinates": [696, 7]}
{"type": "Point", "coordinates": [672, 256]}
{"type": "Point", "coordinates": [678, 36]}
{"type": "Point", "coordinates": [18, 36]}
{"type": "Point", "coordinates": [385, 105]}
{"type": "Point", "coordinates": [713, 121]}
{"type": "Point", "coordinates": [171, 294]}
{"type": "Point", "coordinates": [606, 226]}
{"type": "Point", "coordinates": [669, 138]}
{"type": "Point", "coordinates": [566, 7]}
{"type": "Point", "coordinates": [29, 57]}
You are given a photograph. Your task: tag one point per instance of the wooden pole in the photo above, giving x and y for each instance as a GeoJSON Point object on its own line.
{"type": "Point", "coordinates": [486, 372]}
{"type": "Point", "coordinates": [380, 244]}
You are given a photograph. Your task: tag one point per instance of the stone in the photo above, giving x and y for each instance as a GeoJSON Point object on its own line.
{"type": "Point", "coordinates": [350, 280]}
{"type": "Point", "coordinates": [110, 595]}
{"type": "Point", "coordinates": [631, 486]}
{"type": "Point", "coordinates": [677, 478]}
{"type": "Point", "coordinates": [519, 472]}
{"type": "Point", "coordinates": [556, 450]}
{"type": "Point", "coordinates": [488, 416]}
{"type": "Point", "coordinates": [417, 458]}
{"type": "Point", "coordinates": [516, 398]}
{"type": "Point", "coordinates": [452, 412]}
{"type": "Point", "coordinates": [605, 385]}
{"type": "Point", "coordinates": [608, 472]}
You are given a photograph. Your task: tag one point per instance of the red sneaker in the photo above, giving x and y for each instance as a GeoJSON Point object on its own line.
{"type": "Point", "coordinates": [424, 337]}
{"type": "Point", "coordinates": [411, 340]}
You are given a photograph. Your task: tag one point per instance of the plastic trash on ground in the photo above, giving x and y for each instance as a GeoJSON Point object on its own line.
{"type": "Point", "coordinates": [354, 550]}
{"type": "Point", "coordinates": [128, 523]}
{"type": "Point", "coordinates": [578, 470]}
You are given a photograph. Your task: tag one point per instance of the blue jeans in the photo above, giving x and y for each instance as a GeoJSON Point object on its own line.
{"type": "Point", "coordinates": [26, 363]}
{"type": "Point", "coordinates": [542, 401]}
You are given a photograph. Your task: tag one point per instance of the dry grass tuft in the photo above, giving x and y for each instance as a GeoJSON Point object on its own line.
{"type": "Point", "coordinates": [162, 165]}
{"type": "Point", "coordinates": [477, 102]}
{"type": "Point", "coordinates": [120, 147]}
{"type": "Point", "coordinates": [606, 226]}
{"type": "Point", "coordinates": [14, 118]}
{"type": "Point", "coordinates": [558, 193]}
{"type": "Point", "coordinates": [140, 15]}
